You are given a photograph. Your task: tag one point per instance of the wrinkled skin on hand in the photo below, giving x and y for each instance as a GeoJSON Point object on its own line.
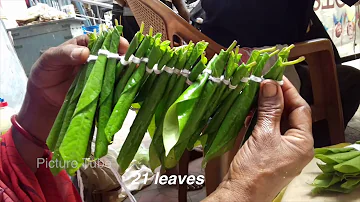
{"type": "Point", "coordinates": [269, 160]}
{"type": "Point", "coordinates": [49, 81]}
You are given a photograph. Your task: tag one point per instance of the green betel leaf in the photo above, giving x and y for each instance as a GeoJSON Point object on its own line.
{"type": "Point", "coordinates": [349, 166]}
{"type": "Point", "coordinates": [92, 39]}
{"type": "Point", "coordinates": [75, 143]}
{"type": "Point", "coordinates": [236, 115]}
{"type": "Point", "coordinates": [351, 183]}
{"type": "Point", "coordinates": [123, 105]}
{"type": "Point", "coordinates": [337, 158]}
{"type": "Point", "coordinates": [154, 158]}
{"type": "Point", "coordinates": [144, 117]}
{"type": "Point", "coordinates": [327, 151]}
{"type": "Point", "coordinates": [106, 96]}
{"type": "Point", "coordinates": [195, 53]}
{"type": "Point", "coordinates": [132, 87]}
{"type": "Point", "coordinates": [326, 180]}
{"type": "Point", "coordinates": [232, 64]}
{"type": "Point", "coordinates": [179, 113]}
{"type": "Point", "coordinates": [334, 188]}
{"type": "Point", "coordinates": [326, 168]}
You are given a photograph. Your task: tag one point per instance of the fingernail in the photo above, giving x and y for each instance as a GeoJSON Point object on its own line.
{"type": "Point", "coordinates": [76, 53]}
{"type": "Point", "coordinates": [269, 90]}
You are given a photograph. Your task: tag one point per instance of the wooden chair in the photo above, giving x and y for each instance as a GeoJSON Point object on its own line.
{"type": "Point", "coordinates": [156, 14]}
{"type": "Point", "coordinates": [319, 56]}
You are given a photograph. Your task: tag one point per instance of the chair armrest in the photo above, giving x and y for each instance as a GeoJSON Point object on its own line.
{"type": "Point", "coordinates": [323, 75]}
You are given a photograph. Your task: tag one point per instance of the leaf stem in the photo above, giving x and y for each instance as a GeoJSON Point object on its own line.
{"type": "Point", "coordinates": [237, 50]}
{"type": "Point", "coordinates": [274, 53]}
{"type": "Point", "coordinates": [142, 26]}
{"type": "Point", "coordinates": [294, 62]}
{"type": "Point", "coordinates": [232, 46]}
{"type": "Point", "coordinates": [290, 47]}
{"type": "Point", "coordinates": [266, 50]}
{"type": "Point", "coordinates": [151, 31]}
{"type": "Point", "coordinates": [251, 64]}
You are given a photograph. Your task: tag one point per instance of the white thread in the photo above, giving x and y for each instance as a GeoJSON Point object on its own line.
{"type": "Point", "coordinates": [80, 185]}
{"type": "Point", "coordinates": [177, 71]}
{"type": "Point", "coordinates": [216, 80]}
{"type": "Point", "coordinates": [103, 52]}
{"type": "Point", "coordinates": [113, 56]}
{"type": "Point", "coordinates": [148, 70]}
{"type": "Point", "coordinates": [146, 60]}
{"type": "Point", "coordinates": [256, 79]}
{"type": "Point", "coordinates": [226, 81]}
{"type": "Point", "coordinates": [185, 73]}
{"type": "Point", "coordinates": [354, 146]}
{"type": "Point", "coordinates": [156, 69]}
{"type": "Point", "coordinates": [261, 79]}
{"type": "Point", "coordinates": [245, 79]}
{"type": "Point", "coordinates": [189, 82]}
{"type": "Point", "coordinates": [136, 60]}
{"type": "Point", "coordinates": [124, 62]}
{"type": "Point", "coordinates": [169, 70]}
{"type": "Point", "coordinates": [280, 82]}
{"type": "Point", "coordinates": [122, 184]}
{"type": "Point", "coordinates": [232, 87]}
{"type": "Point", "coordinates": [92, 58]}
{"type": "Point", "coordinates": [207, 71]}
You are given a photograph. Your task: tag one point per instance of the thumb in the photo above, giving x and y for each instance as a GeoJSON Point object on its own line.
{"type": "Point", "coordinates": [58, 64]}
{"type": "Point", "coordinates": [270, 108]}
{"type": "Point", "coordinates": [63, 57]}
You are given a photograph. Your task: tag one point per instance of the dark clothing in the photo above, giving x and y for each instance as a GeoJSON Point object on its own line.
{"type": "Point", "coordinates": [129, 22]}
{"type": "Point", "coordinates": [349, 85]}
{"type": "Point", "coordinates": [258, 23]}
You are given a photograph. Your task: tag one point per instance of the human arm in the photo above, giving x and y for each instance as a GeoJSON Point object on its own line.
{"type": "Point", "coordinates": [49, 80]}
{"type": "Point", "coordinates": [268, 161]}
{"type": "Point", "coordinates": [181, 8]}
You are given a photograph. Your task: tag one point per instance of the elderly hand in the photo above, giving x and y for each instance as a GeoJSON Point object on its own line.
{"type": "Point", "coordinates": [49, 81]}
{"type": "Point", "coordinates": [269, 160]}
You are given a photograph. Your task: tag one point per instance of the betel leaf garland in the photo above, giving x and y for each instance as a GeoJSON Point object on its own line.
{"type": "Point", "coordinates": [74, 145]}
{"type": "Point", "coordinates": [106, 96]}
{"type": "Point", "coordinates": [182, 98]}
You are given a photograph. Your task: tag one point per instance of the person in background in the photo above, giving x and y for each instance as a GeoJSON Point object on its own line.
{"type": "Point", "coordinates": [266, 23]}
{"type": "Point", "coordinates": [121, 10]}
{"type": "Point", "coordinates": [266, 163]}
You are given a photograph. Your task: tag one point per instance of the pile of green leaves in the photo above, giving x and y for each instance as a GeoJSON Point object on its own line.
{"type": "Point", "coordinates": [183, 99]}
{"type": "Point", "coordinates": [341, 170]}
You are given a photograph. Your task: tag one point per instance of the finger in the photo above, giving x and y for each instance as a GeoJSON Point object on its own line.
{"type": "Point", "coordinates": [299, 116]}
{"type": "Point", "coordinates": [124, 45]}
{"type": "Point", "coordinates": [60, 57]}
{"type": "Point", "coordinates": [82, 40]}
{"type": "Point", "coordinates": [249, 118]}
{"type": "Point", "coordinates": [58, 65]}
{"type": "Point", "coordinates": [270, 108]}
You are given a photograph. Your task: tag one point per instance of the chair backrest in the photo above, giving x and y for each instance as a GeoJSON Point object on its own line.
{"type": "Point", "coordinates": [156, 14]}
